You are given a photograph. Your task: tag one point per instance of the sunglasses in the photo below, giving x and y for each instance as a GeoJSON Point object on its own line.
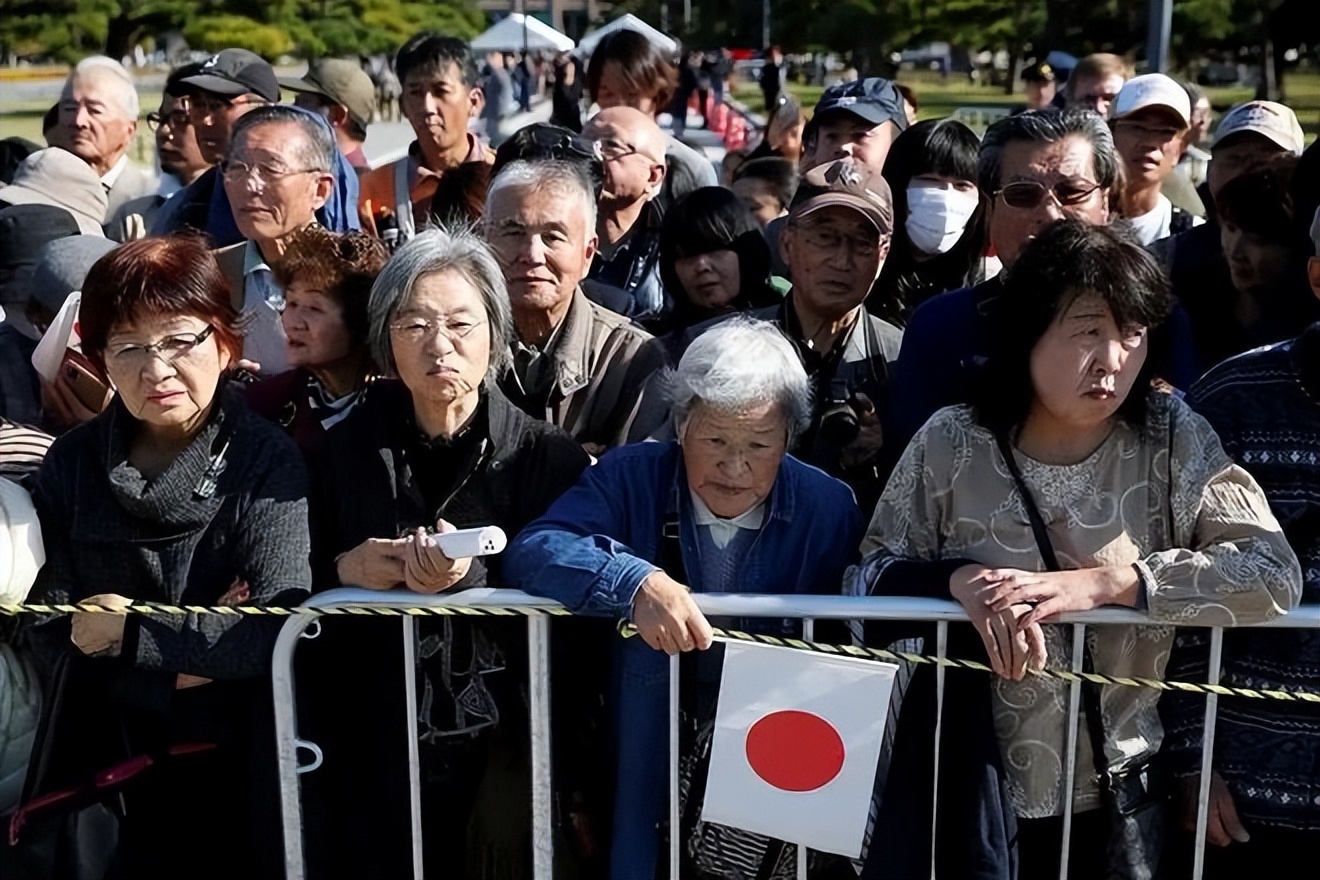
{"type": "Point", "coordinates": [1031, 193]}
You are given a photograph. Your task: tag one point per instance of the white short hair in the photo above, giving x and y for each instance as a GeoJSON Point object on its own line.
{"type": "Point", "coordinates": [110, 70]}
{"type": "Point", "coordinates": [737, 365]}
{"type": "Point", "coordinates": [565, 176]}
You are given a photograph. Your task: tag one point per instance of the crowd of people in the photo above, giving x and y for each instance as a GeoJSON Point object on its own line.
{"type": "Point", "coordinates": [1063, 366]}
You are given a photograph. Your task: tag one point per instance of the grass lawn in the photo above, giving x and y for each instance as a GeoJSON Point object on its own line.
{"type": "Point", "coordinates": [939, 97]}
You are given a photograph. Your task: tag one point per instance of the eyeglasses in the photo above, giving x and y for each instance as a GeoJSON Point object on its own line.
{"type": "Point", "coordinates": [1031, 193]}
{"type": "Point", "coordinates": [176, 119]}
{"type": "Point", "coordinates": [171, 349]}
{"type": "Point", "coordinates": [265, 173]}
{"type": "Point", "coordinates": [828, 239]}
{"type": "Point", "coordinates": [415, 330]}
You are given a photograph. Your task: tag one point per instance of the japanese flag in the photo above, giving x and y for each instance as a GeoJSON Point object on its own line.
{"type": "Point", "coordinates": [797, 739]}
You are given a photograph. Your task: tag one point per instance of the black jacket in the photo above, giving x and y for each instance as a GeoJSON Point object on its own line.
{"type": "Point", "coordinates": [472, 671]}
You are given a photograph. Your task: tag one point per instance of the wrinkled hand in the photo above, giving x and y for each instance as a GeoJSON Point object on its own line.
{"type": "Point", "coordinates": [426, 568]}
{"type": "Point", "coordinates": [667, 618]}
{"type": "Point", "coordinates": [870, 435]}
{"type": "Point", "coordinates": [1059, 592]}
{"type": "Point", "coordinates": [376, 564]}
{"type": "Point", "coordinates": [99, 634]}
{"type": "Point", "coordinates": [1013, 649]}
{"type": "Point", "coordinates": [60, 407]}
{"type": "Point", "coordinates": [1222, 827]}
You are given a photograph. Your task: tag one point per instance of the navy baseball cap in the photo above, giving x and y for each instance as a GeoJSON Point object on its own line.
{"type": "Point", "coordinates": [873, 99]}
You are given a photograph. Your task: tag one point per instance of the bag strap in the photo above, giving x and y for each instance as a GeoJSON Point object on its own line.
{"type": "Point", "coordinates": [1090, 692]}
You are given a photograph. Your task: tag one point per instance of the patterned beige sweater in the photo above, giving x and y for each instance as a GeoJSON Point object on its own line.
{"type": "Point", "coordinates": [1164, 497]}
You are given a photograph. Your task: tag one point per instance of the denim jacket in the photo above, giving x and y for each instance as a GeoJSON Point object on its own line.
{"type": "Point", "coordinates": [593, 548]}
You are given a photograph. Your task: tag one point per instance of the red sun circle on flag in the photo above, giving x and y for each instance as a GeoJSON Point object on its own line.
{"type": "Point", "coordinates": [794, 750]}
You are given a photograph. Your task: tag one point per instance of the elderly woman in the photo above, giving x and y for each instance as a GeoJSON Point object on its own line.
{"type": "Point", "coordinates": [327, 280]}
{"type": "Point", "coordinates": [1074, 485]}
{"type": "Point", "coordinates": [434, 446]}
{"type": "Point", "coordinates": [723, 509]}
{"type": "Point", "coordinates": [176, 494]}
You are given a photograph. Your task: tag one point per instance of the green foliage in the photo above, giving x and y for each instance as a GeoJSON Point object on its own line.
{"type": "Point", "coordinates": [212, 33]}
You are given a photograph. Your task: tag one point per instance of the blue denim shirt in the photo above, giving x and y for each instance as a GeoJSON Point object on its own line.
{"type": "Point", "coordinates": [593, 548]}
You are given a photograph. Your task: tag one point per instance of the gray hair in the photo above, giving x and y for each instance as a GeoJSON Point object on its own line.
{"type": "Point", "coordinates": [553, 174]}
{"type": "Point", "coordinates": [110, 70]}
{"type": "Point", "coordinates": [1047, 127]}
{"type": "Point", "coordinates": [738, 364]}
{"type": "Point", "coordinates": [317, 152]}
{"type": "Point", "coordinates": [440, 250]}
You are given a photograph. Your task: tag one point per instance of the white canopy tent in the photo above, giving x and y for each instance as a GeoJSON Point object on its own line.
{"type": "Point", "coordinates": [507, 36]}
{"type": "Point", "coordinates": [629, 22]}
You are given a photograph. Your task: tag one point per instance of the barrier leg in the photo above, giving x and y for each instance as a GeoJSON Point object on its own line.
{"type": "Point", "coordinates": [675, 832]}
{"type": "Point", "coordinates": [941, 652]}
{"type": "Point", "coordinates": [410, 730]}
{"type": "Point", "coordinates": [1207, 753]}
{"type": "Point", "coordinates": [1070, 755]}
{"type": "Point", "coordinates": [538, 658]}
{"type": "Point", "coordinates": [286, 743]}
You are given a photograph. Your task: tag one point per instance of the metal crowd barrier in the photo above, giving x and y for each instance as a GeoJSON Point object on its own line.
{"type": "Point", "coordinates": [807, 608]}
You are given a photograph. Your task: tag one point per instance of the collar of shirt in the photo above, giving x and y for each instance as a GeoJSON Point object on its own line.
{"type": "Point", "coordinates": [111, 177]}
{"type": "Point", "coordinates": [169, 185]}
{"type": "Point", "coordinates": [253, 261]}
{"type": "Point", "coordinates": [723, 529]}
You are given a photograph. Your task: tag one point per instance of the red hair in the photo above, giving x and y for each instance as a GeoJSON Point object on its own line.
{"type": "Point", "coordinates": [156, 278]}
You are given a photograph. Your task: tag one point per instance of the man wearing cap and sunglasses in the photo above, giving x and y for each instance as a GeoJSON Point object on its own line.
{"type": "Point", "coordinates": [228, 85]}
{"type": "Point", "coordinates": [342, 92]}
{"type": "Point", "coordinates": [1038, 167]}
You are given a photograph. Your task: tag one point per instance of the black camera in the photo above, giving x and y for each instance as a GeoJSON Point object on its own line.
{"type": "Point", "coordinates": [839, 425]}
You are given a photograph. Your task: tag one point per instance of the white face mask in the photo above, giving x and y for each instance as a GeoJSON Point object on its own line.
{"type": "Point", "coordinates": [937, 216]}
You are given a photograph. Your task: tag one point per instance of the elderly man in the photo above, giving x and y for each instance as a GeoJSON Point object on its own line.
{"type": "Point", "coordinates": [1151, 116]}
{"type": "Point", "coordinates": [228, 85]}
{"type": "Point", "coordinates": [99, 112]}
{"type": "Point", "coordinates": [628, 221]}
{"type": "Point", "coordinates": [441, 96]}
{"type": "Point", "coordinates": [576, 364]}
{"type": "Point", "coordinates": [723, 509]}
{"type": "Point", "coordinates": [835, 241]}
{"type": "Point", "coordinates": [1265, 407]}
{"type": "Point", "coordinates": [276, 175]}
{"type": "Point", "coordinates": [342, 92]}
{"type": "Point", "coordinates": [178, 153]}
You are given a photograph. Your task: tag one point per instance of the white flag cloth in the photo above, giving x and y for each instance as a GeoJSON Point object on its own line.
{"type": "Point", "coordinates": [797, 739]}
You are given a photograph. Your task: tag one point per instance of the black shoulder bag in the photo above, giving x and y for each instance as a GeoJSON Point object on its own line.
{"type": "Point", "coordinates": [1136, 816]}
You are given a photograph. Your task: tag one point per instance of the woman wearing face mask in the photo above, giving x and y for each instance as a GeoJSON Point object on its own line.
{"type": "Point", "coordinates": [939, 218]}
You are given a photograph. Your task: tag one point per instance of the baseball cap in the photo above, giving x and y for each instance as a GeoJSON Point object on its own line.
{"type": "Point", "coordinates": [343, 82]}
{"type": "Point", "coordinates": [235, 72]}
{"type": "Point", "coordinates": [1153, 90]}
{"type": "Point", "coordinates": [874, 99]}
{"type": "Point", "coordinates": [60, 179]}
{"type": "Point", "coordinates": [1265, 118]}
{"type": "Point", "coordinates": [848, 184]}
{"type": "Point", "coordinates": [1040, 72]}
